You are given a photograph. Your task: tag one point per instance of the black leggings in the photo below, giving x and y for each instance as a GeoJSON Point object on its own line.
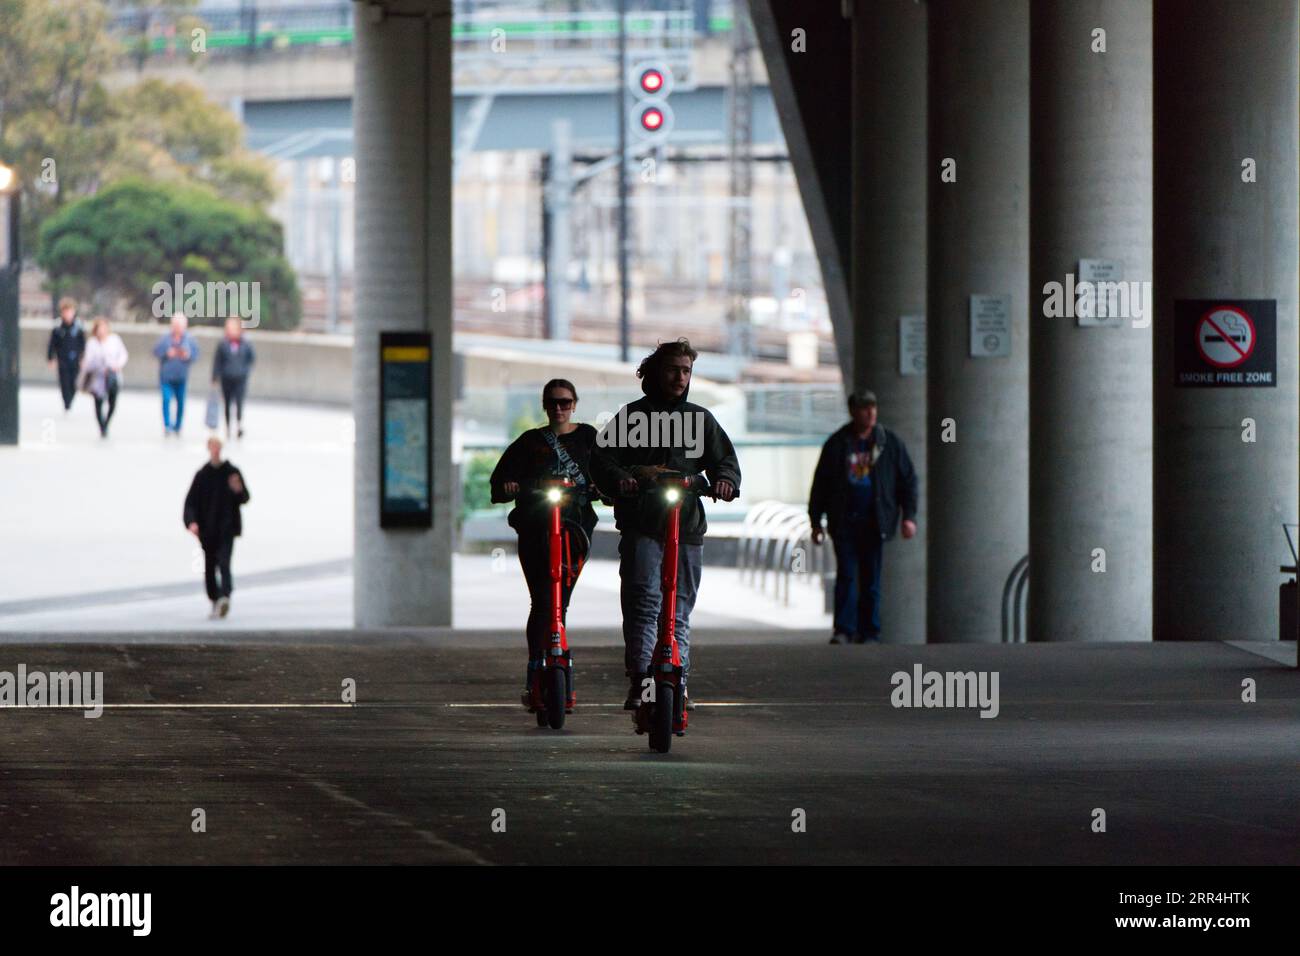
{"type": "Point", "coordinates": [232, 390]}
{"type": "Point", "coordinates": [216, 558]}
{"type": "Point", "coordinates": [535, 559]}
{"type": "Point", "coordinates": [99, 408]}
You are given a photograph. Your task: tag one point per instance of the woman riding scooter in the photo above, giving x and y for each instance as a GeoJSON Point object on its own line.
{"type": "Point", "coordinates": [562, 447]}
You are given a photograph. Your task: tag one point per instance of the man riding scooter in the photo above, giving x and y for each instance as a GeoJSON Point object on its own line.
{"type": "Point", "coordinates": [658, 433]}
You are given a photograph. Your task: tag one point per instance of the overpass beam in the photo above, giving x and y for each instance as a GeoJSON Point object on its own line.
{"type": "Point", "coordinates": [1226, 139]}
{"type": "Point", "coordinates": [402, 127]}
{"type": "Point", "coordinates": [978, 420]}
{"type": "Point", "coordinates": [888, 274]}
{"type": "Point", "coordinates": [1090, 374]}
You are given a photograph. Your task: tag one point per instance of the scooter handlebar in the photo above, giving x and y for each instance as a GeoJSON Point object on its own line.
{"type": "Point", "coordinates": [692, 484]}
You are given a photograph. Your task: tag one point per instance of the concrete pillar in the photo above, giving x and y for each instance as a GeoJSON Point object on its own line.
{"type": "Point", "coordinates": [402, 118]}
{"type": "Point", "coordinates": [1090, 384]}
{"type": "Point", "coordinates": [979, 246]}
{"type": "Point", "coordinates": [888, 262]}
{"type": "Point", "coordinates": [1225, 93]}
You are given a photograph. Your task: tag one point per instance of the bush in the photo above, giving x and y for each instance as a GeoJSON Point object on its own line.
{"type": "Point", "coordinates": [477, 492]}
{"type": "Point", "coordinates": [134, 234]}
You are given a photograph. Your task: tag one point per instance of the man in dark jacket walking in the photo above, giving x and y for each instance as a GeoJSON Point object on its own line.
{"type": "Point", "coordinates": [661, 432]}
{"type": "Point", "coordinates": [212, 516]}
{"type": "Point", "coordinates": [67, 345]}
{"type": "Point", "coordinates": [864, 478]}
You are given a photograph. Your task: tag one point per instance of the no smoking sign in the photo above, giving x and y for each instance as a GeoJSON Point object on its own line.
{"type": "Point", "coordinates": [1226, 343]}
{"type": "Point", "coordinates": [1225, 336]}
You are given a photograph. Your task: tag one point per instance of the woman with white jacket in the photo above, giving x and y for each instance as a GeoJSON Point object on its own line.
{"type": "Point", "coordinates": [101, 370]}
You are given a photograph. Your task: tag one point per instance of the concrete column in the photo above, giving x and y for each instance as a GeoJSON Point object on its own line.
{"type": "Point", "coordinates": [979, 245]}
{"type": "Point", "coordinates": [1090, 384]}
{"type": "Point", "coordinates": [888, 262]}
{"type": "Point", "coordinates": [1226, 82]}
{"type": "Point", "coordinates": [402, 118]}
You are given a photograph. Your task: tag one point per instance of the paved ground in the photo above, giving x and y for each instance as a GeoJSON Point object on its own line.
{"type": "Point", "coordinates": [1156, 735]}
{"type": "Point", "coordinates": [84, 515]}
{"type": "Point", "coordinates": [93, 539]}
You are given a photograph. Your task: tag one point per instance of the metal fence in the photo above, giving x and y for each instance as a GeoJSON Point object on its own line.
{"type": "Point", "coordinates": [776, 547]}
{"type": "Point", "coordinates": [795, 409]}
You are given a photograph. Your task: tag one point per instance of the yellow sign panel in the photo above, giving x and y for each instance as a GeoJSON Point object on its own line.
{"type": "Point", "coordinates": [405, 353]}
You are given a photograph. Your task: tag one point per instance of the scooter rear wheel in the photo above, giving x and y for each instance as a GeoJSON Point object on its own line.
{"type": "Point", "coordinates": [661, 723]}
{"type": "Point", "coordinates": [557, 690]}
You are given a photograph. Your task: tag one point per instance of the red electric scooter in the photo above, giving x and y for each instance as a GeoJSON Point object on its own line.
{"type": "Point", "coordinates": [663, 715]}
{"type": "Point", "coordinates": [552, 684]}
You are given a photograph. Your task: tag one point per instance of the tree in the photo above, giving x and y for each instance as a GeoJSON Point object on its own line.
{"type": "Point", "coordinates": [68, 136]}
{"type": "Point", "coordinates": [133, 235]}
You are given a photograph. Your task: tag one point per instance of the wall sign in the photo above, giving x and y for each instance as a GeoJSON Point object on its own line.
{"type": "Point", "coordinates": [911, 345]}
{"type": "Point", "coordinates": [1225, 343]}
{"type": "Point", "coordinates": [990, 326]}
{"type": "Point", "coordinates": [1095, 271]}
{"type": "Point", "coordinates": [406, 422]}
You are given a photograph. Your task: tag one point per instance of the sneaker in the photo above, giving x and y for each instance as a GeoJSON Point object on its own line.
{"type": "Point", "coordinates": [212, 614]}
{"type": "Point", "coordinates": [223, 607]}
{"type": "Point", "coordinates": [526, 698]}
{"type": "Point", "coordinates": [839, 637]}
{"type": "Point", "coordinates": [687, 703]}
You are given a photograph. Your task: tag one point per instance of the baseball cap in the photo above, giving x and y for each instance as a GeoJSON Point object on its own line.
{"type": "Point", "coordinates": [862, 396]}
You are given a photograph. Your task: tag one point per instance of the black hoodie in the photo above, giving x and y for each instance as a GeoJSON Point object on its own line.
{"type": "Point", "coordinates": [611, 461]}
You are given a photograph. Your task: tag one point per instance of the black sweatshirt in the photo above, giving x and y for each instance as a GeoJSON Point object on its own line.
{"type": "Point", "coordinates": [528, 459]}
{"type": "Point", "coordinates": [212, 505]}
{"type": "Point", "coordinates": [646, 514]}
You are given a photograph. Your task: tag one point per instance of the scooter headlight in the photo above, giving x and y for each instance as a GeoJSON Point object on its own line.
{"type": "Point", "coordinates": [554, 494]}
{"type": "Point", "coordinates": [672, 494]}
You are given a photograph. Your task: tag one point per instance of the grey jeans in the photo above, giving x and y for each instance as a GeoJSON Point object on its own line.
{"type": "Point", "coordinates": [640, 561]}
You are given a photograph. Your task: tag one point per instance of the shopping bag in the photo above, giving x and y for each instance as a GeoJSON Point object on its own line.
{"type": "Point", "coordinates": [213, 417]}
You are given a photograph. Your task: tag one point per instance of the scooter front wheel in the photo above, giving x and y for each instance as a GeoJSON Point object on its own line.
{"type": "Point", "coordinates": [557, 691]}
{"type": "Point", "coordinates": [661, 723]}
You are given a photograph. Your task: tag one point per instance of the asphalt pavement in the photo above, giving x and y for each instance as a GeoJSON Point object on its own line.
{"type": "Point", "coordinates": [796, 754]}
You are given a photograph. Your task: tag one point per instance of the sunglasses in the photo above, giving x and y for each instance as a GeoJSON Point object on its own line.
{"type": "Point", "coordinates": [560, 403]}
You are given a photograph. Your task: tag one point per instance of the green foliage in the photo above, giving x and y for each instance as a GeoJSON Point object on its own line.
{"type": "Point", "coordinates": [476, 494]}
{"type": "Point", "coordinates": [133, 234]}
{"type": "Point", "coordinates": [534, 418]}
{"type": "Point", "coordinates": [67, 137]}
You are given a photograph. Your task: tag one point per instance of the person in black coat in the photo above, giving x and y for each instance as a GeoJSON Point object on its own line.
{"type": "Point", "coordinates": [212, 515]}
{"type": "Point", "coordinates": [67, 345]}
{"type": "Point", "coordinates": [232, 364]}
{"type": "Point", "coordinates": [561, 447]}
{"type": "Point", "coordinates": [864, 480]}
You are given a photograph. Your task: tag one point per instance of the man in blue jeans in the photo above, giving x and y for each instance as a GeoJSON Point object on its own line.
{"type": "Point", "coordinates": [864, 479]}
{"type": "Point", "coordinates": [660, 432]}
{"type": "Point", "coordinates": [176, 351]}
